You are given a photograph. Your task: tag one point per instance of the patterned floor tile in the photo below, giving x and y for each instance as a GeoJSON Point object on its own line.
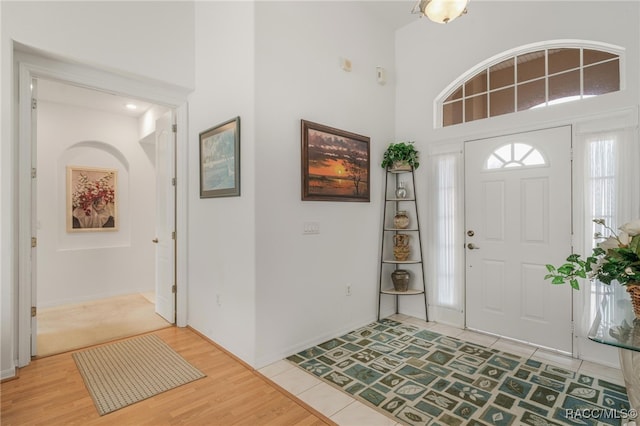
{"type": "Point", "coordinates": [418, 376]}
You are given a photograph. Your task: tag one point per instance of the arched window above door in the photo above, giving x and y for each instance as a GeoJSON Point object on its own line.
{"type": "Point", "coordinates": [530, 77]}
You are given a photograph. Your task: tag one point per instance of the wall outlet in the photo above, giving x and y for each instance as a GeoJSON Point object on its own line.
{"type": "Point", "coordinates": [348, 290]}
{"type": "Point", "coordinates": [218, 300]}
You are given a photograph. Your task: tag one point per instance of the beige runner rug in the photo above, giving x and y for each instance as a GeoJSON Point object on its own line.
{"type": "Point", "coordinates": [125, 372]}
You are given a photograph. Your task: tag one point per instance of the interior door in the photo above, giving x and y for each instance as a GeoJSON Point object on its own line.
{"type": "Point", "coordinates": [165, 218]}
{"type": "Point", "coordinates": [518, 219]}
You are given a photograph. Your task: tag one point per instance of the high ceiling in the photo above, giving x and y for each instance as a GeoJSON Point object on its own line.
{"type": "Point", "coordinates": [394, 13]}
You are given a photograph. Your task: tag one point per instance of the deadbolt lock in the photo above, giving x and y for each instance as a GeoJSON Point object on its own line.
{"type": "Point", "coordinates": [470, 233]}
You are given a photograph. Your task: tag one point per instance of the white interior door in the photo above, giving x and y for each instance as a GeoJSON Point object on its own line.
{"type": "Point", "coordinates": [518, 218]}
{"type": "Point", "coordinates": [165, 218]}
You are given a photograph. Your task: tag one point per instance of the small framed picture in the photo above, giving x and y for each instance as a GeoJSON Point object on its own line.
{"type": "Point", "coordinates": [335, 164]}
{"type": "Point", "coordinates": [92, 199]}
{"type": "Point", "coordinates": [220, 160]}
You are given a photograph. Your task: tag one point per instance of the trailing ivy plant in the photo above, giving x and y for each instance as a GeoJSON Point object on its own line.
{"type": "Point", "coordinates": [400, 151]}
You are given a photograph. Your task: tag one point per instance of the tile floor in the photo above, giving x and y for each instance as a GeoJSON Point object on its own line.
{"type": "Point", "coordinates": [347, 411]}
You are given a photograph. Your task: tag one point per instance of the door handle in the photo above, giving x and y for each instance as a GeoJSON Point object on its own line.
{"type": "Point", "coordinates": [472, 246]}
{"type": "Point", "coordinates": [155, 240]}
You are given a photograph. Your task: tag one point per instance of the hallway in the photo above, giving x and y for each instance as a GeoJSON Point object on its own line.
{"type": "Point", "coordinates": [69, 327]}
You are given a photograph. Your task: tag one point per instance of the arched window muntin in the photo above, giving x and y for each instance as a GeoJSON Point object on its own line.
{"type": "Point", "coordinates": [474, 87]}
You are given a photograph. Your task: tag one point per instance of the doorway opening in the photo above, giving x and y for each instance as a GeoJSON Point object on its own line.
{"type": "Point", "coordinates": [93, 284]}
{"type": "Point", "coordinates": [32, 64]}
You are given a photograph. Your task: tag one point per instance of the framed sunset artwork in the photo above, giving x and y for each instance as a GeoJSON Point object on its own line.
{"type": "Point", "coordinates": [335, 164]}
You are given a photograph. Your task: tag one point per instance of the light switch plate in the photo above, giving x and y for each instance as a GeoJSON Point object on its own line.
{"type": "Point", "coordinates": [311, 228]}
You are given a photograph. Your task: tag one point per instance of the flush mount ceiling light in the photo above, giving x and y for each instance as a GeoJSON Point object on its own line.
{"type": "Point", "coordinates": [131, 106]}
{"type": "Point", "coordinates": [441, 11]}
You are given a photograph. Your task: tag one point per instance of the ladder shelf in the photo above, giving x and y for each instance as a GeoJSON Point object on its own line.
{"type": "Point", "coordinates": [389, 261]}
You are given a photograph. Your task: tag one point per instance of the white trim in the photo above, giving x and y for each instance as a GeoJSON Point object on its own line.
{"type": "Point", "coordinates": [24, 149]}
{"type": "Point", "coordinates": [36, 64]}
{"type": "Point", "coordinates": [8, 373]}
{"type": "Point", "coordinates": [532, 47]}
{"type": "Point", "coordinates": [182, 177]}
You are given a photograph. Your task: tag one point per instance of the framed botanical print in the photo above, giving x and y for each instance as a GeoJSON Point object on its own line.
{"type": "Point", "coordinates": [92, 195]}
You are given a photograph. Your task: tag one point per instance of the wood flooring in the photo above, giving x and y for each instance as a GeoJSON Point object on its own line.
{"type": "Point", "coordinates": [50, 391]}
{"type": "Point", "coordinates": [68, 327]}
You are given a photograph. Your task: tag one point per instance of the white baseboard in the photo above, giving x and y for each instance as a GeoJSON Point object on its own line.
{"type": "Point", "coordinates": [8, 373]}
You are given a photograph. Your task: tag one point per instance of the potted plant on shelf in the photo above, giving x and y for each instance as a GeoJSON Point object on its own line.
{"type": "Point", "coordinates": [400, 156]}
{"type": "Point", "coordinates": [616, 258]}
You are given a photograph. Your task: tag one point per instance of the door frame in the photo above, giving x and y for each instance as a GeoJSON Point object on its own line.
{"type": "Point", "coordinates": [31, 64]}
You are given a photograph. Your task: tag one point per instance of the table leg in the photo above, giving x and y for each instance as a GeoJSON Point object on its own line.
{"type": "Point", "coordinates": [630, 365]}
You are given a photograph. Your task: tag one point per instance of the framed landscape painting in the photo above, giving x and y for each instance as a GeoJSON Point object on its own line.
{"type": "Point", "coordinates": [92, 195]}
{"type": "Point", "coordinates": [335, 164]}
{"type": "Point", "coordinates": [220, 160]}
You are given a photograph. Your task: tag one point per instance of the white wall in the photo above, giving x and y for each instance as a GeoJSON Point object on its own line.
{"type": "Point", "coordinates": [301, 279]}
{"type": "Point", "coordinates": [74, 267]}
{"type": "Point", "coordinates": [274, 63]}
{"type": "Point", "coordinates": [439, 54]}
{"type": "Point", "coordinates": [152, 40]}
{"type": "Point", "coordinates": [221, 252]}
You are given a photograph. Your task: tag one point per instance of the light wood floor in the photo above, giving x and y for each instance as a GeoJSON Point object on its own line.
{"type": "Point", "coordinates": [51, 391]}
{"type": "Point", "coordinates": [79, 325]}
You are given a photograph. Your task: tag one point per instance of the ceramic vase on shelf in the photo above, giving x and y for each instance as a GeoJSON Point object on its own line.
{"type": "Point", "coordinates": [401, 248]}
{"type": "Point", "coordinates": [401, 220]}
{"type": "Point", "coordinates": [401, 190]}
{"type": "Point", "coordinates": [400, 278]}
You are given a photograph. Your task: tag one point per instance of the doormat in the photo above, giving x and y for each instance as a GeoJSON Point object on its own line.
{"type": "Point", "coordinates": [125, 372]}
{"type": "Point", "coordinates": [419, 377]}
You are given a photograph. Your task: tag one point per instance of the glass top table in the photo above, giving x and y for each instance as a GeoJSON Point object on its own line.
{"type": "Point", "coordinates": [615, 323]}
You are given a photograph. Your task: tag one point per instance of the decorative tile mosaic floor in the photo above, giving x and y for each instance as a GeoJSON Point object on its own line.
{"type": "Point", "coordinates": [419, 377]}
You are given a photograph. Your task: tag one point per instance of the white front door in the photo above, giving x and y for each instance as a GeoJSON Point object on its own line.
{"type": "Point", "coordinates": [518, 219]}
{"type": "Point", "coordinates": [165, 218]}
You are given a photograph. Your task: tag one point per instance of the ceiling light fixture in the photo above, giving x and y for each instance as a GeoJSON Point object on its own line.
{"type": "Point", "coordinates": [441, 11]}
{"type": "Point", "coordinates": [131, 106]}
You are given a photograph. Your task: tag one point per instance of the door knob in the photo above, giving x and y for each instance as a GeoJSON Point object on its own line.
{"type": "Point", "coordinates": [472, 246]}
{"type": "Point", "coordinates": [155, 240]}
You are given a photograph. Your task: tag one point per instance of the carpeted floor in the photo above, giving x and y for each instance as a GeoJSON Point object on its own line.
{"type": "Point", "coordinates": [131, 370]}
{"type": "Point", "coordinates": [419, 377]}
{"type": "Point", "coordinates": [68, 327]}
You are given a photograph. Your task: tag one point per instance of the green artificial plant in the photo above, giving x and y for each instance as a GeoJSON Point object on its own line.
{"type": "Point", "coordinates": [617, 258]}
{"type": "Point", "coordinates": [400, 152]}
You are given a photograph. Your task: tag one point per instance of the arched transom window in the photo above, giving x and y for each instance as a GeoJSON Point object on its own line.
{"type": "Point", "coordinates": [514, 155]}
{"type": "Point", "coordinates": [531, 78]}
